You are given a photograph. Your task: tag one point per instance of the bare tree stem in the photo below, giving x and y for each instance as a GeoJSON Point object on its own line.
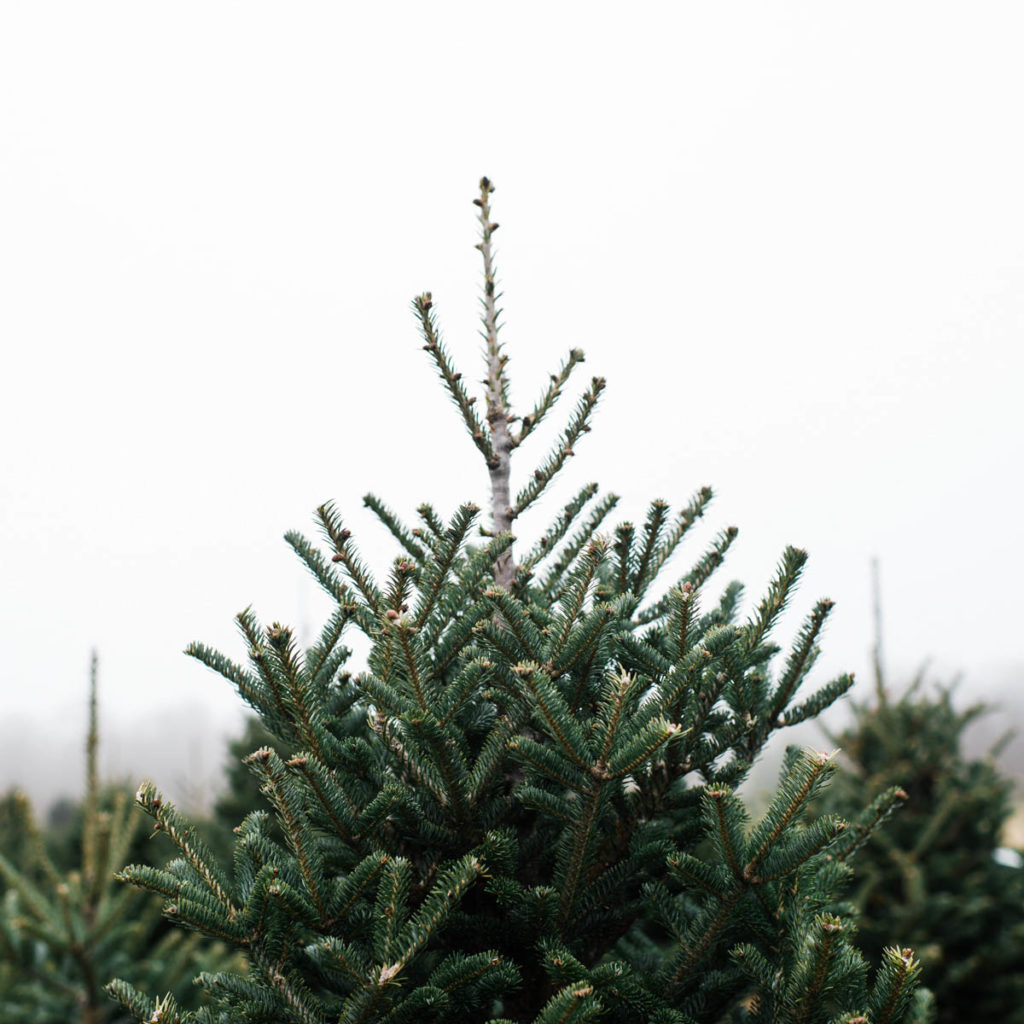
{"type": "Point", "coordinates": [876, 654]}
{"type": "Point", "coordinates": [502, 441]}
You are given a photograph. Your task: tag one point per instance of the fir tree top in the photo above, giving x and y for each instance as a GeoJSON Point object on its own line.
{"type": "Point", "coordinates": [522, 807]}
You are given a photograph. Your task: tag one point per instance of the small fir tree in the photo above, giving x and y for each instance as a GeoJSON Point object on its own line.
{"type": "Point", "coordinates": [65, 933]}
{"type": "Point", "coordinates": [936, 876]}
{"type": "Point", "coordinates": [522, 808]}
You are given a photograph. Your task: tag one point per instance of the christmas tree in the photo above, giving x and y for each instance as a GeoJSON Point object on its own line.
{"type": "Point", "coordinates": [65, 932]}
{"type": "Point", "coordinates": [523, 807]}
{"type": "Point", "coordinates": [937, 876]}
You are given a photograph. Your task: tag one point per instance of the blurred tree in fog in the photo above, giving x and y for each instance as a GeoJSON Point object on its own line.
{"type": "Point", "coordinates": [66, 925]}
{"type": "Point", "coordinates": [937, 876]}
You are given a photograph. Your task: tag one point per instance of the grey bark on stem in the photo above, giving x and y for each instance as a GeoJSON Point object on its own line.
{"type": "Point", "coordinates": [498, 417]}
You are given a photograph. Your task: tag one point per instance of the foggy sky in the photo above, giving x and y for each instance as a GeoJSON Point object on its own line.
{"type": "Point", "coordinates": [790, 235]}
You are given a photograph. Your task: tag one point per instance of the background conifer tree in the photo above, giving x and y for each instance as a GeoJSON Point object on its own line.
{"type": "Point", "coordinates": [67, 928]}
{"type": "Point", "coordinates": [937, 876]}
{"type": "Point", "coordinates": [241, 793]}
{"type": "Point", "coordinates": [522, 807]}
{"type": "Point", "coordinates": [15, 845]}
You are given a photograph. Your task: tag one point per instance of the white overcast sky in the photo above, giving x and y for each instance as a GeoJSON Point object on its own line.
{"type": "Point", "coordinates": [791, 235]}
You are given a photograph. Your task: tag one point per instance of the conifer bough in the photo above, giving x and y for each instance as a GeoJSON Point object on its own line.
{"type": "Point", "coordinates": [523, 808]}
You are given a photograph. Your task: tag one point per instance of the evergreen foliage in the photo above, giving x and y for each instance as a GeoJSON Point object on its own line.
{"type": "Point", "coordinates": [934, 877]}
{"type": "Point", "coordinates": [65, 931]}
{"type": "Point", "coordinates": [15, 844]}
{"type": "Point", "coordinates": [523, 807]}
{"type": "Point", "coordinates": [241, 794]}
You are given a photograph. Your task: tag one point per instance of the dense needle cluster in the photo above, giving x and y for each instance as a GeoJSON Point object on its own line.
{"type": "Point", "coordinates": [522, 807]}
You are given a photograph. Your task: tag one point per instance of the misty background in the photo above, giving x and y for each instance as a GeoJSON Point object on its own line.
{"type": "Point", "coordinates": [790, 235]}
